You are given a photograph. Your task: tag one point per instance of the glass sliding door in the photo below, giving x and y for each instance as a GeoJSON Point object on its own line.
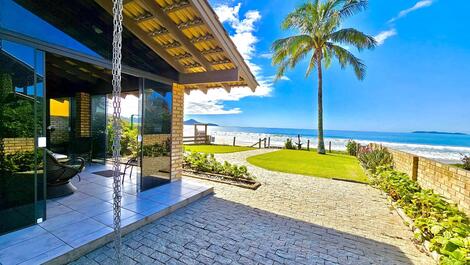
{"type": "Point", "coordinates": [98, 128]}
{"type": "Point", "coordinates": [156, 134]}
{"type": "Point", "coordinates": [22, 136]}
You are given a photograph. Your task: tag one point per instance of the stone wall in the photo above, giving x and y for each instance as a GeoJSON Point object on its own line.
{"type": "Point", "coordinates": [14, 145]}
{"type": "Point", "coordinates": [446, 180]}
{"type": "Point", "coordinates": [177, 133]}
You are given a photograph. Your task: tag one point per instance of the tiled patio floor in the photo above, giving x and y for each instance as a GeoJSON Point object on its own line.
{"type": "Point", "coordinates": [80, 222]}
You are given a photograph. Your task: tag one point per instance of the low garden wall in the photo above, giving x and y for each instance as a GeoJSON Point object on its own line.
{"type": "Point", "coordinates": [446, 180]}
{"type": "Point", "coordinates": [15, 145]}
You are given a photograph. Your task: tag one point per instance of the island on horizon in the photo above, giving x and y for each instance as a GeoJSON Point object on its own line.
{"type": "Point", "coordinates": [436, 132]}
{"type": "Point", "coordinates": [193, 122]}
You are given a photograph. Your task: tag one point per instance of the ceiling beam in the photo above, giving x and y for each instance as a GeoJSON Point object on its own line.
{"type": "Point", "coordinates": [171, 45]}
{"type": "Point", "coordinates": [176, 6]}
{"type": "Point", "coordinates": [144, 17]}
{"type": "Point", "coordinates": [223, 76]}
{"type": "Point", "coordinates": [155, 10]}
{"type": "Point", "coordinates": [161, 31]}
{"type": "Point", "coordinates": [213, 51]}
{"type": "Point", "coordinates": [143, 36]}
{"type": "Point", "coordinates": [190, 24]}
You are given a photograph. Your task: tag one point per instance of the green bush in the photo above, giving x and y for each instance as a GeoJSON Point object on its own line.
{"type": "Point", "coordinates": [440, 222]}
{"type": "Point", "coordinates": [289, 144]}
{"type": "Point", "coordinates": [352, 147]}
{"type": "Point", "coordinates": [20, 161]}
{"type": "Point", "coordinates": [157, 149]}
{"type": "Point", "coordinates": [129, 144]}
{"type": "Point", "coordinates": [371, 159]}
{"type": "Point", "coordinates": [466, 162]}
{"type": "Point", "coordinates": [207, 163]}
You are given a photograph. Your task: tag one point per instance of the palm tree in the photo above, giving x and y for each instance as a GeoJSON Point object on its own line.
{"type": "Point", "coordinates": [321, 38]}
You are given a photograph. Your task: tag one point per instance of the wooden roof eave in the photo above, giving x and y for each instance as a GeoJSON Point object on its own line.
{"type": "Point", "coordinates": [211, 19]}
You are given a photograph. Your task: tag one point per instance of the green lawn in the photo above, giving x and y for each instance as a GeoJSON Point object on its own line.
{"type": "Point", "coordinates": [333, 165]}
{"type": "Point", "coordinates": [216, 149]}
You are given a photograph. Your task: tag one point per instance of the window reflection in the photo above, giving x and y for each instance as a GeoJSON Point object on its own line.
{"type": "Point", "coordinates": [156, 150]}
{"type": "Point", "coordinates": [21, 122]}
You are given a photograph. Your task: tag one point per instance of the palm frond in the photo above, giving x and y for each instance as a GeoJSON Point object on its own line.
{"type": "Point", "coordinates": [289, 51]}
{"type": "Point", "coordinates": [312, 64]}
{"type": "Point", "coordinates": [346, 58]}
{"type": "Point", "coordinates": [353, 37]}
{"type": "Point", "coordinates": [352, 7]}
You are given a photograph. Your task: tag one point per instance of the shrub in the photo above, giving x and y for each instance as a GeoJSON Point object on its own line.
{"type": "Point", "coordinates": [372, 159]}
{"type": "Point", "coordinates": [352, 147]}
{"type": "Point", "coordinates": [157, 149]}
{"type": "Point", "coordinates": [289, 144]}
{"type": "Point", "coordinates": [129, 144]}
{"type": "Point", "coordinates": [439, 222]}
{"type": "Point", "coordinates": [207, 163]}
{"type": "Point", "coordinates": [466, 162]}
{"type": "Point", "coordinates": [20, 161]}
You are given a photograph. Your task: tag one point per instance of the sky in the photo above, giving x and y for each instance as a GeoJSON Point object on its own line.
{"type": "Point", "coordinates": [418, 78]}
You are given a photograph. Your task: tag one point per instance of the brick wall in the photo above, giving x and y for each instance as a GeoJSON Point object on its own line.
{"type": "Point", "coordinates": [177, 132]}
{"type": "Point", "coordinates": [150, 139]}
{"type": "Point", "coordinates": [83, 121]}
{"type": "Point", "coordinates": [61, 129]}
{"type": "Point", "coordinates": [446, 180]}
{"type": "Point", "coordinates": [14, 145]}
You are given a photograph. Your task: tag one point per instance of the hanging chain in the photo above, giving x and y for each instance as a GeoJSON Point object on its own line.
{"type": "Point", "coordinates": [117, 192]}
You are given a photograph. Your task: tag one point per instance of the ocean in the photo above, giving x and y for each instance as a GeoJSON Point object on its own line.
{"type": "Point", "coordinates": [447, 148]}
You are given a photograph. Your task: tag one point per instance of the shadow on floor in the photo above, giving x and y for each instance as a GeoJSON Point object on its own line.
{"type": "Point", "coordinates": [216, 230]}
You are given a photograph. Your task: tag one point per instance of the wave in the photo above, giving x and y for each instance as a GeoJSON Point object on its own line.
{"type": "Point", "coordinates": [446, 154]}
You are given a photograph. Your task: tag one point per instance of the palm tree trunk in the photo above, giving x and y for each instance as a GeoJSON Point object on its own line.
{"type": "Point", "coordinates": [321, 143]}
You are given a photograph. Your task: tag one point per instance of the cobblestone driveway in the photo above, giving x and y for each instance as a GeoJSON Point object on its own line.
{"type": "Point", "coordinates": [291, 219]}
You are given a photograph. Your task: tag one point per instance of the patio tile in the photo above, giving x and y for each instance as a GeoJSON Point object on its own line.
{"type": "Point", "coordinates": [56, 210]}
{"type": "Point", "coordinates": [128, 199]}
{"type": "Point", "coordinates": [29, 249]}
{"type": "Point", "coordinates": [132, 219]}
{"type": "Point", "coordinates": [157, 208]}
{"type": "Point", "coordinates": [141, 205]}
{"type": "Point", "coordinates": [67, 219]}
{"type": "Point", "coordinates": [73, 233]}
{"type": "Point", "coordinates": [95, 209]}
{"type": "Point", "coordinates": [168, 200]}
{"type": "Point", "coordinates": [107, 217]}
{"type": "Point", "coordinates": [80, 241]}
{"type": "Point", "coordinates": [77, 196]}
{"type": "Point", "coordinates": [19, 236]}
{"type": "Point", "coordinates": [82, 202]}
{"type": "Point", "coordinates": [50, 254]}
{"type": "Point", "coordinates": [105, 196]}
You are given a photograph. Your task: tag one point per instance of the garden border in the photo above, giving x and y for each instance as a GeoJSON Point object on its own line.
{"type": "Point", "coordinates": [242, 183]}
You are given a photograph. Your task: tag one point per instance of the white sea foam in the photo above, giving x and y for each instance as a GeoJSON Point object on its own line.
{"type": "Point", "coordinates": [447, 154]}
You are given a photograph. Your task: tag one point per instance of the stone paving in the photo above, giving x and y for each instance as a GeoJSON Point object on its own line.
{"type": "Point", "coordinates": [290, 219]}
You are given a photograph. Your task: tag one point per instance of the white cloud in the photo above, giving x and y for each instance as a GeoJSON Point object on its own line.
{"type": "Point", "coordinates": [266, 55]}
{"type": "Point", "coordinates": [417, 6]}
{"type": "Point", "coordinates": [244, 38]}
{"type": "Point", "coordinates": [384, 35]}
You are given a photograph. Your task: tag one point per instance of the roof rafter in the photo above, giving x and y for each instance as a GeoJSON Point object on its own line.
{"type": "Point", "coordinates": [134, 28]}
{"type": "Point", "coordinates": [190, 24]}
{"type": "Point", "coordinates": [176, 6]}
{"type": "Point", "coordinates": [156, 10]}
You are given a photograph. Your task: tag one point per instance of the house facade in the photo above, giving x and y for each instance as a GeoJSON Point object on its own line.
{"type": "Point", "coordinates": [55, 90]}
